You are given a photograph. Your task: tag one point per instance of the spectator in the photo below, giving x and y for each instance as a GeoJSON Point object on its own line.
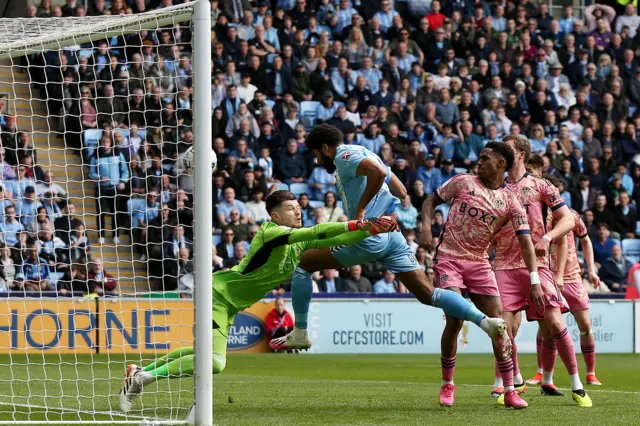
{"type": "Point", "coordinates": [291, 166]}
{"type": "Point", "coordinates": [33, 273]}
{"type": "Point", "coordinates": [227, 205]}
{"type": "Point", "coordinates": [625, 216]}
{"type": "Point", "coordinates": [331, 211]}
{"type": "Point", "coordinates": [356, 283]}
{"type": "Point", "coordinates": [239, 252]}
{"type": "Point", "coordinates": [278, 322]}
{"type": "Point", "coordinates": [331, 282]}
{"type": "Point", "coordinates": [10, 227]}
{"type": "Point", "coordinates": [110, 172]}
{"type": "Point", "coordinates": [7, 267]}
{"type": "Point", "coordinates": [602, 213]}
{"type": "Point", "coordinates": [140, 219]}
{"type": "Point", "coordinates": [41, 222]}
{"type": "Point", "coordinates": [65, 223]}
{"type": "Point", "coordinates": [614, 270]}
{"type": "Point", "coordinates": [256, 208]}
{"type": "Point", "coordinates": [407, 214]}
{"type": "Point", "coordinates": [603, 245]}
{"type": "Point", "coordinates": [386, 284]}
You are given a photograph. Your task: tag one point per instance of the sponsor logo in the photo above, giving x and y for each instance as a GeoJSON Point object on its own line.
{"type": "Point", "coordinates": [474, 212]}
{"type": "Point", "coordinates": [247, 331]}
{"type": "Point", "coordinates": [525, 191]}
{"type": "Point", "coordinates": [346, 155]}
{"type": "Point", "coordinates": [498, 204]}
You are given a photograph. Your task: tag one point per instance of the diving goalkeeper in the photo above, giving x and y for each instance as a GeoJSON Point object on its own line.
{"type": "Point", "coordinates": [273, 256]}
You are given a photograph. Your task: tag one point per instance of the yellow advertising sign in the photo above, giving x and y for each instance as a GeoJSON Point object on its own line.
{"type": "Point", "coordinates": [55, 326]}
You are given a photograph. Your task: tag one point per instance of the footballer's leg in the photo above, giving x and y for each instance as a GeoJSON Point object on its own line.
{"type": "Point", "coordinates": [587, 344]}
{"type": "Point", "coordinates": [448, 350]}
{"type": "Point", "coordinates": [535, 380]}
{"type": "Point", "coordinates": [548, 355]}
{"type": "Point", "coordinates": [301, 293]}
{"type": "Point", "coordinates": [513, 320]}
{"type": "Point", "coordinates": [564, 345]}
{"type": "Point", "coordinates": [492, 306]}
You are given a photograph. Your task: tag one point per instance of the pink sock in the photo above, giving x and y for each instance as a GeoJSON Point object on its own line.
{"type": "Point", "coordinates": [506, 370]}
{"type": "Point", "coordinates": [539, 350]}
{"type": "Point", "coordinates": [497, 372]}
{"type": "Point", "coordinates": [548, 355]}
{"type": "Point", "coordinates": [514, 357]}
{"type": "Point", "coordinates": [589, 354]}
{"type": "Point", "coordinates": [448, 367]}
{"type": "Point", "coordinates": [566, 350]}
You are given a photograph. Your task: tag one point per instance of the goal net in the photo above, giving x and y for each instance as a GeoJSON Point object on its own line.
{"type": "Point", "coordinates": [96, 213]}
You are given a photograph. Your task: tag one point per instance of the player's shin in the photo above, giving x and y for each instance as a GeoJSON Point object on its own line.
{"type": "Point", "coordinates": [587, 341]}
{"type": "Point", "coordinates": [457, 306]}
{"type": "Point", "coordinates": [174, 354]}
{"type": "Point", "coordinates": [565, 347]}
{"type": "Point", "coordinates": [181, 367]}
{"type": "Point", "coordinates": [301, 291]}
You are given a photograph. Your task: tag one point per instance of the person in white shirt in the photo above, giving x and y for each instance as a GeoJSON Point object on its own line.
{"type": "Point", "coordinates": [48, 185]}
{"type": "Point", "coordinates": [573, 124]}
{"type": "Point", "coordinates": [629, 19]}
{"type": "Point", "coordinates": [246, 90]}
{"type": "Point", "coordinates": [257, 208]}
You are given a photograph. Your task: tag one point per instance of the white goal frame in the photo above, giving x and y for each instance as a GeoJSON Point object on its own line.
{"type": "Point", "coordinates": [29, 38]}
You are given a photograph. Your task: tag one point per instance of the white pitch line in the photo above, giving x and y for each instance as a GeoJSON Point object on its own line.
{"type": "Point", "coordinates": [135, 418]}
{"type": "Point", "coordinates": [391, 382]}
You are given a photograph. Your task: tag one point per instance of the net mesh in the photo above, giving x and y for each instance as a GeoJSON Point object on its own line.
{"type": "Point", "coordinates": [96, 214]}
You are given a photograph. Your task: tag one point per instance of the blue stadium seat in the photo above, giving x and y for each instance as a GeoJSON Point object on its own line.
{"type": "Point", "coordinates": [459, 170]}
{"type": "Point", "coordinates": [315, 204]}
{"type": "Point", "coordinates": [270, 103]}
{"type": "Point", "coordinates": [216, 239]}
{"type": "Point", "coordinates": [339, 204]}
{"type": "Point", "coordinates": [638, 227]}
{"type": "Point", "coordinates": [136, 204]}
{"type": "Point", "coordinates": [91, 141]}
{"type": "Point", "coordinates": [280, 186]}
{"type": "Point", "coordinates": [299, 188]}
{"type": "Point", "coordinates": [631, 247]}
{"type": "Point", "coordinates": [308, 111]}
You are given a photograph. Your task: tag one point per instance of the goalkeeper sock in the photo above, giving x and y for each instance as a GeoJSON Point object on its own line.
{"type": "Point", "coordinates": [457, 306]}
{"type": "Point", "coordinates": [301, 290]}
{"type": "Point", "coordinates": [180, 367]}
{"type": "Point", "coordinates": [174, 354]}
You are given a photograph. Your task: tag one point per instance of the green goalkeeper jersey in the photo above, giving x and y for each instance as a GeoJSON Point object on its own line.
{"type": "Point", "coordinates": [273, 256]}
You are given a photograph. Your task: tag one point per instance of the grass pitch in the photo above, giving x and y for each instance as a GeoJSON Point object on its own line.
{"type": "Point", "coordinates": [304, 389]}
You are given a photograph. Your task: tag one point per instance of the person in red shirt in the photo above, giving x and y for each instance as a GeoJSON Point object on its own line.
{"type": "Point", "coordinates": [278, 322]}
{"type": "Point", "coordinates": [435, 18]}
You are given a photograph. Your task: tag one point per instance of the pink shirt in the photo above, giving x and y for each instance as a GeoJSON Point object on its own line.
{"type": "Point", "coordinates": [572, 268]}
{"type": "Point", "coordinates": [476, 214]}
{"type": "Point", "coordinates": [539, 198]}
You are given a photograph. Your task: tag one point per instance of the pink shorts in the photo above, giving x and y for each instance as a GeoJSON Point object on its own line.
{"type": "Point", "coordinates": [515, 288]}
{"type": "Point", "coordinates": [476, 278]}
{"type": "Point", "coordinates": [576, 296]}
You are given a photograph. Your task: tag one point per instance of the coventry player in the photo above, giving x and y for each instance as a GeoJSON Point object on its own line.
{"type": "Point", "coordinates": [369, 189]}
{"type": "Point", "coordinates": [274, 254]}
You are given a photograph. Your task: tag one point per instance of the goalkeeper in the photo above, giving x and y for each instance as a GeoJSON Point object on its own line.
{"type": "Point", "coordinates": [273, 256]}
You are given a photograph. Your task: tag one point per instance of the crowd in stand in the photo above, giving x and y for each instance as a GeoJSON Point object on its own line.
{"type": "Point", "coordinates": [423, 83]}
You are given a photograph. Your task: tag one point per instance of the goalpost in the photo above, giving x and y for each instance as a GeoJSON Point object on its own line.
{"type": "Point", "coordinates": [65, 340]}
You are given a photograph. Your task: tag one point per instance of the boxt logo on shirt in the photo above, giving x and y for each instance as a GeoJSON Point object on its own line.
{"type": "Point", "coordinates": [247, 331]}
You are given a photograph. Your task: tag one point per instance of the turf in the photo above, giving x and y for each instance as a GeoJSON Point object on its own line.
{"type": "Point", "coordinates": [403, 389]}
{"type": "Point", "coordinates": [310, 390]}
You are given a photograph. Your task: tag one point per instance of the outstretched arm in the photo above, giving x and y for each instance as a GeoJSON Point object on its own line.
{"type": "Point", "coordinates": [376, 175]}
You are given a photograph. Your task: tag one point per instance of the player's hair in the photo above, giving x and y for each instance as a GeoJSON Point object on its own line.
{"type": "Point", "coordinates": [504, 150]}
{"type": "Point", "coordinates": [276, 199]}
{"type": "Point", "coordinates": [521, 143]}
{"type": "Point", "coordinates": [554, 180]}
{"type": "Point", "coordinates": [323, 134]}
{"type": "Point", "coordinates": [536, 161]}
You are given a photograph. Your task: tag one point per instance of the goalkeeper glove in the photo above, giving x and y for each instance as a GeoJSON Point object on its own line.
{"type": "Point", "coordinates": [375, 226]}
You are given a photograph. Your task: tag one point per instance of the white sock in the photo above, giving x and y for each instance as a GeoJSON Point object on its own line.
{"type": "Point", "coordinates": [447, 382]}
{"type": "Point", "coordinates": [540, 371]}
{"type": "Point", "coordinates": [508, 388]}
{"type": "Point", "coordinates": [146, 377]}
{"type": "Point", "coordinates": [497, 382]}
{"type": "Point", "coordinates": [299, 333]}
{"type": "Point", "coordinates": [484, 325]}
{"type": "Point", "coordinates": [591, 373]}
{"type": "Point", "coordinates": [575, 382]}
{"type": "Point", "coordinates": [518, 379]}
{"type": "Point", "coordinates": [547, 377]}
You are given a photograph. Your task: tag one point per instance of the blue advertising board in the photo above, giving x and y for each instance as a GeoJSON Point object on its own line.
{"type": "Point", "coordinates": [409, 327]}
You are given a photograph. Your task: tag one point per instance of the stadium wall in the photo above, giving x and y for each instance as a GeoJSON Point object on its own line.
{"type": "Point", "coordinates": [356, 326]}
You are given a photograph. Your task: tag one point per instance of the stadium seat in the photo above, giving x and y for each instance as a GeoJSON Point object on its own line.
{"type": "Point", "coordinates": [308, 111]}
{"type": "Point", "coordinates": [135, 204]}
{"type": "Point", "coordinates": [216, 239]}
{"type": "Point", "coordinates": [280, 186]}
{"type": "Point", "coordinates": [270, 103]}
{"type": "Point", "coordinates": [315, 204]}
{"type": "Point", "coordinates": [459, 170]}
{"type": "Point", "coordinates": [631, 247]}
{"type": "Point", "coordinates": [92, 137]}
{"type": "Point", "coordinates": [339, 204]}
{"type": "Point", "coordinates": [299, 188]}
{"type": "Point", "coordinates": [638, 227]}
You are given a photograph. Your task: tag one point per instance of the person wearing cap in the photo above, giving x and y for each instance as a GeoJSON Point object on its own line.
{"type": "Point", "coordinates": [447, 171]}
{"type": "Point", "coordinates": [555, 78]}
{"type": "Point", "coordinates": [327, 108]}
{"type": "Point", "coordinates": [429, 174]}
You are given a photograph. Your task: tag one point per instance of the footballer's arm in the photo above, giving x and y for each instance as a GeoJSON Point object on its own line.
{"type": "Point", "coordinates": [561, 260]}
{"type": "Point", "coordinates": [563, 223]}
{"type": "Point", "coordinates": [376, 174]}
{"type": "Point", "coordinates": [428, 208]}
{"type": "Point", "coordinates": [529, 257]}
{"type": "Point", "coordinates": [587, 252]}
{"type": "Point", "coordinates": [396, 187]}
